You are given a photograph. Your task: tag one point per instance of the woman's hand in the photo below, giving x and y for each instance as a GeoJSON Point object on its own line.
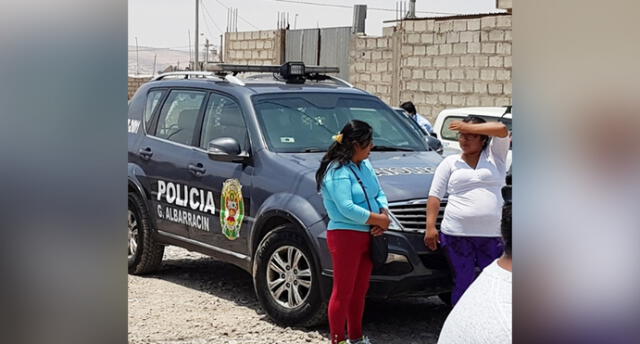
{"type": "Point", "coordinates": [377, 231]}
{"type": "Point", "coordinates": [457, 125]}
{"type": "Point", "coordinates": [431, 238]}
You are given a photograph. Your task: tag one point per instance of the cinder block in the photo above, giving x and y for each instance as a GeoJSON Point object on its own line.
{"type": "Point", "coordinates": [460, 48]}
{"type": "Point", "coordinates": [473, 48]}
{"type": "Point", "coordinates": [472, 100]}
{"type": "Point", "coordinates": [445, 49]}
{"type": "Point", "coordinates": [502, 101]}
{"type": "Point", "coordinates": [370, 67]}
{"type": "Point", "coordinates": [444, 74]}
{"type": "Point", "coordinates": [503, 48]}
{"type": "Point", "coordinates": [452, 87]}
{"type": "Point", "coordinates": [268, 45]}
{"type": "Point", "coordinates": [412, 85]}
{"type": "Point", "coordinates": [487, 75]}
{"type": "Point", "coordinates": [503, 74]}
{"type": "Point", "coordinates": [431, 98]}
{"type": "Point", "coordinates": [265, 34]}
{"type": "Point", "coordinates": [480, 87]}
{"type": "Point", "coordinates": [438, 87]}
{"type": "Point", "coordinates": [488, 22]}
{"type": "Point", "coordinates": [472, 74]}
{"type": "Point", "coordinates": [488, 48]}
{"type": "Point", "coordinates": [255, 35]}
{"type": "Point", "coordinates": [232, 36]}
{"type": "Point", "coordinates": [376, 55]}
{"type": "Point", "coordinates": [432, 50]}
{"type": "Point", "coordinates": [484, 36]}
{"type": "Point", "coordinates": [420, 25]}
{"type": "Point", "coordinates": [439, 61]}
{"type": "Point", "coordinates": [382, 67]}
{"type": "Point", "coordinates": [453, 61]}
{"type": "Point", "coordinates": [507, 61]}
{"type": "Point", "coordinates": [361, 43]}
{"type": "Point", "coordinates": [444, 26]}
{"type": "Point", "coordinates": [444, 99]}
{"type": "Point", "coordinates": [383, 89]}
{"type": "Point", "coordinates": [473, 24]}
{"type": "Point", "coordinates": [457, 74]}
{"type": "Point", "coordinates": [431, 25]}
{"type": "Point", "coordinates": [406, 73]}
{"type": "Point", "coordinates": [244, 45]}
{"type": "Point", "coordinates": [460, 25]}
{"type": "Point", "coordinates": [503, 21]}
{"type": "Point", "coordinates": [260, 45]}
{"type": "Point", "coordinates": [417, 74]}
{"type": "Point", "coordinates": [495, 88]}
{"type": "Point", "coordinates": [467, 36]}
{"type": "Point", "coordinates": [386, 77]}
{"type": "Point", "coordinates": [387, 55]}
{"type": "Point", "coordinates": [251, 45]}
{"type": "Point", "coordinates": [364, 77]}
{"type": "Point", "coordinates": [420, 50]}
{"type": "Point", "coordinates": [481, 61]}
{"type": "Point", "coordinates": [426, 61]}
{"type": "Point", "coordinates": [431, 74]}
{"type": "Point", "coordinates": [408, 25]}
{"type": "Point", "coordinates": [496, 61]}
{"type": "Point", "coordinates": [413, 38]}
{"type": "Point", "coordinates": [371, 43]}
{"type": "Point", "coordinates": [466, 87]}
{"type": "Point", "coordinates": [487, 101]}
{"type": "Point", "coordinates": [425, 86]}
{"type": "Point", "coordinates": [426, 38]}
{"type": "Point", "coordinates": [413, 61]}
{"type": "Point", "coordinates": [419, 98]}
{"type": "Point", "coordinates": [382, 42]}
{"type": "Point", "coordinates": [466, 61]}
{"type": "Point", "coordinates": [453, 37]}
{"type": "Point", "coordinates": [388, 30]}
{"type": "Point", "coordinates": [458, 100]}
{"type": "Point", "coordinates": [440, 38]}
{"type": "Point", "coordinates": [376, 77]}
{"type": "Point", "coordinates": [496, 35]}
{"type": "Point", "coordinates": [507, 35]}
{"type": "Point", "coordinates": [407, 50]}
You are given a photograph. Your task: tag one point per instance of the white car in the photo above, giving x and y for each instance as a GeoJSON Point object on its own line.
{"type": "Point", "coordinates": [449, 138]}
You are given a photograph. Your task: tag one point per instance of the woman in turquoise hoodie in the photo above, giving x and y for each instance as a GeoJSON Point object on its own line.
{"type": "Point", "coordinates": [353, 219]}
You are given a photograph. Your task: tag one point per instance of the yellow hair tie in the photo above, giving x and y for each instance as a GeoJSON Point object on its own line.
{"type": "Point", "coordinates": [337, 138]}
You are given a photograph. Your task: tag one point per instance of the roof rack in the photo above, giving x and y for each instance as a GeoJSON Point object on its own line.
{"type": "Point", "coordinates": [197, 74]}
{"type": "Point", "coordinates": [319, 77]}
{"type": "Point", "coordinates": [293, 71]}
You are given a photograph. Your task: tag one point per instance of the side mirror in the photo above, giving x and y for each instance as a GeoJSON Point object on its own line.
{"type": "Point", "coordinates": [224, 145]}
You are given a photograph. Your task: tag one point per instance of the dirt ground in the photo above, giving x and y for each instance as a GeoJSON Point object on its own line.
{"type": "Point", "coordinates": [194, 299]}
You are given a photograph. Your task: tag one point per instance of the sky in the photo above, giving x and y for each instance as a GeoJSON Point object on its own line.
{"type": "Point", "coordinates": [166, 23]}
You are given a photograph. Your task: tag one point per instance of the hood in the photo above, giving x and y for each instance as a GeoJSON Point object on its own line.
{"type": "Point", "coordinates": [403, 175]}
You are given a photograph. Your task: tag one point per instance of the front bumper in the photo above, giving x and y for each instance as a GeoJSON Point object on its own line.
{"type": "Point", "coordinates": [418, 272]}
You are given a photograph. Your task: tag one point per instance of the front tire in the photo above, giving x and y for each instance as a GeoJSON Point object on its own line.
{"type": "Point", "coordinates": [286, 279]}
{"type": "Point", "coordinates": [144, 253]}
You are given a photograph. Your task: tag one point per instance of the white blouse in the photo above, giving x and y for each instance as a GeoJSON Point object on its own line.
{"type": "Point", "coordinates": [474, 206]}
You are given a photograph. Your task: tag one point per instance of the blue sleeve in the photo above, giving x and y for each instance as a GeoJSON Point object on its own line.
{"type": "Point", "coordinates": [339, 187]}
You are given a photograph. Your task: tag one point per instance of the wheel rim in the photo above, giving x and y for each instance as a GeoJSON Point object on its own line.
{"type": "Point", "coordinates": [289, 277]}
{"type": "Point", "coordinates": [132, 223]}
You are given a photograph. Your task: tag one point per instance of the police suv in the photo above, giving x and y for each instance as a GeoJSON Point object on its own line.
{"type": "Point", "coordinates": [226, 167]}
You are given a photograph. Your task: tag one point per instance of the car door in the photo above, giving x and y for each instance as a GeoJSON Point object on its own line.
{"type": "Point", "coordinates": [164, 157]}
{"type": "Point", "coordinates": [231, 182]}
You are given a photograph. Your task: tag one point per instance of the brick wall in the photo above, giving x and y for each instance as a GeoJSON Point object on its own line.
{"type": "Point", "coordinates": [256, 47]}
{"type": "Point", "coordinates": [135, 81]}
{"type": "Point", "coordinates": [438, 63]}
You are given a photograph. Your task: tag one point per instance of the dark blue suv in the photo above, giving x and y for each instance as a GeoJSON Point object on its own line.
{"type": "Point", "coordinates": [226, 167]}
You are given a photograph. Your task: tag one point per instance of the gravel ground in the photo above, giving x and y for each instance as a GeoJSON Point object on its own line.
{"type": "Point", "coordinates": [195, 299]}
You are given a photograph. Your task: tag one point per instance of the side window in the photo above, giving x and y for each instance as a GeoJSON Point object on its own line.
{"type": "Point", "coordinates": [178, 117]}
{"type": "Point", "coordinates": [223, 118]}
{"type": "Point", "coordinates": [445, 133]}
{"type": "Point", "coordinates": [153, 99]}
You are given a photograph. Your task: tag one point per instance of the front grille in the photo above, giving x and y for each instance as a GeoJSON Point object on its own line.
{"type": "Point", "coordinates": [412, 214]}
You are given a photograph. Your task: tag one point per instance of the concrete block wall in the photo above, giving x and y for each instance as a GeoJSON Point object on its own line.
{"type": "Point", "coordinates": [371, 65]}
{"type": "Point", "coordinates": [134, 82]}
{"type": "Point", "coordinates": [255, 47]}
{"type": "Point", "coordinates": [441, 63]}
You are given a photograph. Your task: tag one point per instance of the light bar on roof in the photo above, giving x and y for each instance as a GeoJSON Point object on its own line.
{"type": "Point", "coordinates": [291, 68]}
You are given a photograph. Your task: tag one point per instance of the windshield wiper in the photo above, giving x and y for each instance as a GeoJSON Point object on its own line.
{"type": "Point", "coordinates": [313, 150]}
{"type": "Point", "coordinates": [390, 149]}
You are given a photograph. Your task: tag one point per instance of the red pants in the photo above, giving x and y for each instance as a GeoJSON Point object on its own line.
{"type": "Point", "coordinates": [351, 273]}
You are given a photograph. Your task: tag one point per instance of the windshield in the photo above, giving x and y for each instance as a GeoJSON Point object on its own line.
{"type": "Point", "coordinates": [306, 122]}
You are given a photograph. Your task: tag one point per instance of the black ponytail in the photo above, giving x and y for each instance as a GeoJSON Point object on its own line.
{"type": "Point", "coordinates": [354, 132]}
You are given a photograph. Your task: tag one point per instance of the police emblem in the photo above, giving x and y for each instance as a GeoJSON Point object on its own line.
{"type": "Point", "coordinates": [231, 208]}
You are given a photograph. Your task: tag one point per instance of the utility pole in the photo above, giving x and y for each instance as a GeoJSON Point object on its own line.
{"type": "Point", "coordinates": [206, 51]}
{"type": "Point", "coordinates": [137, 58]}
{"type": "Point", "coordinates": [196, 67]}
{"type": "Point", "coordinates": [155, 56]}
{"type": "Point", "coordinates": [221, 49]}
{"type": "Point", "coordinates": [190, 57]}
{"type": "Point", "coordinates": [412, 9]}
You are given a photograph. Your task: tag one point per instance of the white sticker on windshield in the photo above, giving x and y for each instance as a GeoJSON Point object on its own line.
{"type": "Point", "coordinates": [287, 140]}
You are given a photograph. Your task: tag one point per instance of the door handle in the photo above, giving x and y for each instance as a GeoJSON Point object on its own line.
{"type": "Point", "coordinates": [197, 169]}
{"type": "Point", "coordinates": [145, 153]}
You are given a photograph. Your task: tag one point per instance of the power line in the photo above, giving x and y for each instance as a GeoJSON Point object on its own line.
{"type": "Point", "coordinates": [211, 18]}
{"type": "Point", "coordinates": [244, 20]}
{"type": "Point", "coordinates": [351, 7]}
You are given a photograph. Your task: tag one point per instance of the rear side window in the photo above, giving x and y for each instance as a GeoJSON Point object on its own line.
{"type": "Point", "coordinates": [447, 134]}
{"type": "Point", "coordinates": [179, 115]}
{"type": "Point", "coordinates": [223, 118]}
{"type": "Point", "coordinates": [153, 99]}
